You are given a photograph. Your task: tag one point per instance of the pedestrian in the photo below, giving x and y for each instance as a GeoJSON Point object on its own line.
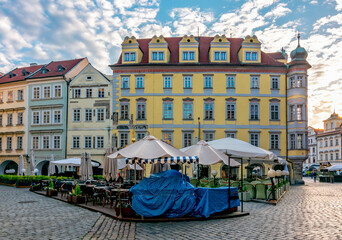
{"type": "Point", "coordinates": [314, 175]}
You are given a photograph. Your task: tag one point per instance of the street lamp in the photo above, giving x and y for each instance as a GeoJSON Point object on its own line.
{"type": "Point", "coordinates": [271, 174]}
{"type": "Point", "coordinates": [199, 129]}
{"type": "Point", "coordinates": [214, 173]}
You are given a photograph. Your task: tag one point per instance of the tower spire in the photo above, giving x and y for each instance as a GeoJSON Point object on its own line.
{"type": "Point", "coordinates": [298, 37]}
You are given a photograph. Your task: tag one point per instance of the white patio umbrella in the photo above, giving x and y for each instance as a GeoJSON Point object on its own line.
{"type": "Point", "coordinates": [106, 163]}
{"type": "Point", "coordinates": [89, 167]}
{"type": "Point", "coordinates": [337, 167]}
{"type": "Point", "coordinates": [208, 155]}
{"type": "Point", "coordinates": [21, 167]}
{"type": "Point", "coordinates": [240, 149]}
{"type": "Point", "coordinates": [32, 162]}
{"type": "Point", "coordinates": [83, 167]}
{"type": "Point", "coordinates": [52, 169]}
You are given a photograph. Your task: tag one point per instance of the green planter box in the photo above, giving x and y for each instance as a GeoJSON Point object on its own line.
{"type": "Point", "coordinates": [246, 196]}
{"type": "Point", "coordinates": [51, 193]}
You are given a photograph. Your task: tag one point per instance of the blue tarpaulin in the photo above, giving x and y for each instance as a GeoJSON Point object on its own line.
{"type": "Point", "coordinates": [170, 194]}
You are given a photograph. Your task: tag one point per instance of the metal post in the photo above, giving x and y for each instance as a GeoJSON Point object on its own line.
{"type": "Point", "coordinates": [228, 183]}
{"type": "Point", "coordinates": [199, 129]}
{"type": "Point", "coordinates": [198, 172]}
{"type": "Point", "coordinates": [135, 172]}
{"type": "Point", "coordinates": [241, 185]}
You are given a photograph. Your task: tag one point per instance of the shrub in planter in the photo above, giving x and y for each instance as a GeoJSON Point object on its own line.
{"type": "Point", "coordinates": [246, 196]}
{"type": "Point", "coordinates": [77, 197]}
{"type": "Point", "coordinates": [51, 191]}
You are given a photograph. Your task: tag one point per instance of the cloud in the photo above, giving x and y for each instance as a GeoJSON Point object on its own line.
{"type": "Point", "coordinates": [279, 11]}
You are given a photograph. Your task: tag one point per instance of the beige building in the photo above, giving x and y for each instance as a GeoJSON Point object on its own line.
{"type": "Point", "coordinates": [329, 141]}
{"type": "Point", "coordinates": [89, 114]}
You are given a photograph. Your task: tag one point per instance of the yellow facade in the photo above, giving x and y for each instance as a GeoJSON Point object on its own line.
{"type": "Point", "coordinates": [130, 45]}
{"type": "Point", "coordinates": [250, 45]}
{"type": "Point", "coordinates": [158, 45]}
{"type": "Point", "coordinates": [219, 44]}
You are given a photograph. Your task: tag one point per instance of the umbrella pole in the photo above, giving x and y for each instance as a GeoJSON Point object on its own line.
{"type": "Point", "coordinates": [241, 186]}
{"type": "Point", "coordinates": [135, 173]}
{"type": "Point", "coordinates": [228, 183]}
{"type": "Point", "coordinates": [198, 171]}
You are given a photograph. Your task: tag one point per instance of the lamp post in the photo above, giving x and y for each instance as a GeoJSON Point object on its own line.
{"type": "Point", "coordinates": [214, 173]}
{"type": "Point", "coordinates": [199, 129]}
{"type": "Point", "coordinates": [271, 174]}
{"type": "Point", "coordinates": [278, 175]}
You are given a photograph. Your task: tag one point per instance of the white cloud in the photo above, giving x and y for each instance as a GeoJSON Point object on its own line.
{"type": "Point", "coordinates": [279, 11]}
{"type": "Point", "coordinates": [314, 2]}
{"type": "Point", "coordinates": [338, 5]}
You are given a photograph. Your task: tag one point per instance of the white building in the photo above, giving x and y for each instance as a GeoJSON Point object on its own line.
{"type": "Point", "coordinates": [312, 145]}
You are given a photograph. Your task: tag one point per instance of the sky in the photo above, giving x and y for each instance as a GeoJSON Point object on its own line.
{"type": "Point", "coordinates": [40, 31]}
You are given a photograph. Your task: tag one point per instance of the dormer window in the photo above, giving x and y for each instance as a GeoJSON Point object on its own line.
{"type": "Point", "coordinates": [60, 68]}
{"type": "Point", "coordinates": [24, 72]}
{"type": "Point", "coordinates": [251, 56]}
{"type": "Point", "coordinates": [89, 78]}
{"type": "Point", "coordinates": [158, 56]}
{"type": "Point", "coordinates": [187, 55]}
{"type": "Point", "coordinates": [220, 56]}
{"type": "Point", "coordinates": [11, 75]}
{"type": "Point", "coordinates": [129, 57]}
{"type": "Point", "coordinates": [44, 70]}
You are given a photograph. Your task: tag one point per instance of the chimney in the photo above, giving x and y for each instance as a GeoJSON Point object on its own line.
{"type": "Point", "coordinates": [33, 64]}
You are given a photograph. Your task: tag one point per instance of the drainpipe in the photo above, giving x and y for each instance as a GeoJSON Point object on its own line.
{"type": "Point", "coordinates": [67, 117]}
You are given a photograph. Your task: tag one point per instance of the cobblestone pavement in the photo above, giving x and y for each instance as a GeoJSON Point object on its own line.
{"type": "Point", "coordinates": [310, 211]}
{"type": "Point", "coordinates": [41, 217]}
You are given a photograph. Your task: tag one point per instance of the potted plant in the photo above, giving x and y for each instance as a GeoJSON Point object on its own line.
{"type": "Point", "coordinates": [77, 197]}
{"type": "Point", "coordinates": [245, 194]}
{"type": "Point", "coordinates": [51, 190]}
{"type": "Point", "coordinates": [126, 210]}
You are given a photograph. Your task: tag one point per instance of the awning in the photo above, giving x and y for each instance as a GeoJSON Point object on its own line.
{"type": "Point", "coordinates": [179, 159]}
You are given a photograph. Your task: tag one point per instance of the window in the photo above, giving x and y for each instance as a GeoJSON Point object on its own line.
{"type": "Point", "coordinates": [230, 135]}
{"type": "Point", "coordinates": [187, 110]}
{"type": "Point", "coordinates": [88, 142]}
{"type": "Point", "coordinates": [47, 91]}
{"type": "Point", "coordinates": [299, 112]}
{"type": "Point", "coordinates": [230, 111]}
{"type": "Point", "coordinates": [188, 55]}
{"type": "Point", "coordinates": [254, 111]}
{"type": "Point", "coordinates": [274, 111]}
{"type": "Point", "coordinates": [75, 142]}
{"type": "Point", "coordinates": [254, 139]}
{"type": "Point", "coordinates": [19, 142]}
{"type": "Point", "coordinates": [230, 81]}
{"type": "Point", "coordinates": [57, 91]}
{"type": "Point", "coordinates": [101, 93]}
{"type": "Point", "coordinates": [326, 157]}
{"type": "Point", "coordinates": [77, 93]}
{"type": "Point", "coordinates": [57, 116]}
{"type": "Point", "coordinates": [331, 156]}
{"type": "Point", "coordinates": [46, 117]}
{"type": "Point", "coordinates": [89, 78]}
{"type": "Point", "coordinates": [35, 117]}
{"type": "Point", "coordinates": [274, 141]}
{"type": "Point", "coordinates": [35, 142]}
{"type": "Point", "coordinates": [337, 155]}
{"type": "Point", "coordinates": [167, 82]}
{"type": "Point", "coordinates": [336, 142]}
{"type": "Point", "coordinates": [208, 110]}
{"type": "Point", "coordinates": [10, 96]}
{"type": "Point", "coordinates": [1, 97]}
{"type": "Point", "coordinates": [56, 142]}
{"type": "Point", "coordinates": [220, 56]}
{"type": "Point", "coordinates": [275, 82]}
{"type": "Point", "coordinates": [167, 137]}
{"type": "Point", "coordinates": [46, 142]}
{"type": "Point", "coordinates": [9, 143]}
{"type": "Point", "coordinates": [292, 141]}
{"type": "Point", "coordinates": [326, 143]}
{"type": "Point", "coordinates": [187, 81]}
{"type": "Point", "coordinates": [125, 82]}
{"type": "Point", "coordinates": [331, 125]}
{"type": "Point", "coordinates": [208, 81]}
{"type": "Point", "coordinates": [20, 118]}
{"type": "Point", "coordinates": [331, 142]}
{"type": "Point", "coordinates": [157, 56]}
{"type": "Point", "coordinates": [36, 92]}
{"type": "Point", "coordinates": [0, 120]}
{"type": "Point", "coordinates": [76, 115]}
{"type": "Point", "coordinates": [123, 140]}
{"type": "Point", "coordinates": [187, 139]}
{"type": "Point", "coordinates": [140, 135]}
{"type": "Point", "coordinates": [299, 81]}
{"type": "Point", "coordinates": [129, 56]}
{"type": "Point", "coordinates": [100, 142]}
{"type": "Point", "coordinates": [88, 115]}
{"type": "Point", "coordinates": [209, 136]}
{"type": "Point", "coordinates": [167, 110]}
{"type": "Point", "coordinates": [251, 56]}
{"type": "Point", "coordinates": [292, 113]}
{"type": "Point", "coordinates": [141, 110]}
{"type": "Point", "coordinates": [20, 95]}
{"type": "Point", "coordinates": [124, 111]}
{"type": "Point", "coordinates": [300, 139]}
{"type": "Point", "coordinates": [89, 93]}
{"type": "Point", "coordinates": [254, 81]}
{"type": "Point", "coordinates": [100, 114]}
{"type": "Point", "coordinates": [9, 119]}
{"type": "Point", "coordinates": [0, 143]}
{"type": "Point", "coordinates": [139, 82]}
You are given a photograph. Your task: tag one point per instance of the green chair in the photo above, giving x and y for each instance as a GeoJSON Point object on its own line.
{"type": "Point", "coordinates": [223, 183]}
{"type": "Point", "coordinates": [260, 191]}
{"type": "Point", "coordinates": [235, 184]}
{"type": "Point", "coordinates": [251, 189]}
{"type": "Point", "coordinates": [204, 183]}
{"type": "Point", "coordinates": [255, 182]}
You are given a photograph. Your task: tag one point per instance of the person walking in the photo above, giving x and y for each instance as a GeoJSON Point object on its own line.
{"type": "Point", "coordinates": [314, 175]}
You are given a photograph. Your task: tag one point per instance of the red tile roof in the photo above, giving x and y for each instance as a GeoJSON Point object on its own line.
{"type": "Point", "coordinates": [53, 68]}
{"type": "Point", "coordinates": [277, 55]}
{"type": "Point", "coordinates": [19, 74]}
{"type": "Point", "coordinates": [204, 45]}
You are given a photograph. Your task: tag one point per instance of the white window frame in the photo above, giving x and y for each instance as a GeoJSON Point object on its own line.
{"type": "Point", "coordinates": [48, 137]}
{"type": "Point", "coordinates": [167, 82]}
{"type": "Point", "coordinates": [73, 115]}
{"type": "Point", "coordinates": [85, 141]}
{"type": "Point", "coordinates": [188, 54]}
{"type": "Point", "coordinates": [98, 139]}
{"type": "Point", "coordinates": [97, 114]}
{"type": "Point", "coordinates": [54, 141]}
{"type": "Point", "coordinates": [255, 82]}
{"type": "Point", "coordinates": [208, 79]}
{"type": "Point", "coordinates": [43, 116]}
{"type": "Point", "coordinates": [187, 82]}
{"type": "Point", "coordinates": [74, 93]}
{"type": "Point", "coordinates": [33, 92]}
{"type": "Point", "coordinates": [88, 111]}
{"type": "Point", "coordinates": [124, 80]}
{"type": "Point", "coordinates": [251, 140]}
{"type": "Point", "coordinates": [20, 144]}
{"type": "Point", "coordinates": [21, 94]}
{"type": "Point", "coordinates": [158, 58]}
{"type": "Point", "coordinates": [38, 142]}
{"type": "Point", "coordinates": [21, 122]}
{"type": "Point", "coordinates": [47, 87]}
{"type": "Point", "coordinates": [39, 121]}
{"type": "Point", "coordinates": [220, 55]}
{"type": "Point", "coordinates": [54, 90]}
{"type": "Point", "coordinates": [54, 114]}
{"type": "Point", "coordinates": [12, 96]}
{"type": "Point", "coordinates": [141, 81]}
{"type": "Point", "coordinates": [103, 93]}
{"type": "Point", "coordinates": [73, 142]}
{"type": "Point", "coordinates": [230, 79]}
{"type": "Point", "coordinates": [251, 55]}
{"type": "Point", "coordinates": [89, 90]}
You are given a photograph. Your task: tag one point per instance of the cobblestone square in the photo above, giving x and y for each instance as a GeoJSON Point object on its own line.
{"type": "Point", "coordinates": [310, 211]}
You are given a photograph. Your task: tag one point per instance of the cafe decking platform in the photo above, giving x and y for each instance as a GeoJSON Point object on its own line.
{"type": "Point", "coordinates": [110, 212]}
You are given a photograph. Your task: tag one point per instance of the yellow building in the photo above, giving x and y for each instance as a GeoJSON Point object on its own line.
{"type": "Point", "coordinates": [14, 117]}
{"type": "Point", "coordinates": [183, 89]}
{"type": "Point", "coordinates": [89, 114]}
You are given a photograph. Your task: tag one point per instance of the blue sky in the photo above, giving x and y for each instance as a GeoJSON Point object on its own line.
{"type": "Point", "coordinates": [44, 30]}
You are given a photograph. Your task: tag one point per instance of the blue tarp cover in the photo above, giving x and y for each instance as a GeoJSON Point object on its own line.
{"type": "Point", "coordinates": [170, 194]}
